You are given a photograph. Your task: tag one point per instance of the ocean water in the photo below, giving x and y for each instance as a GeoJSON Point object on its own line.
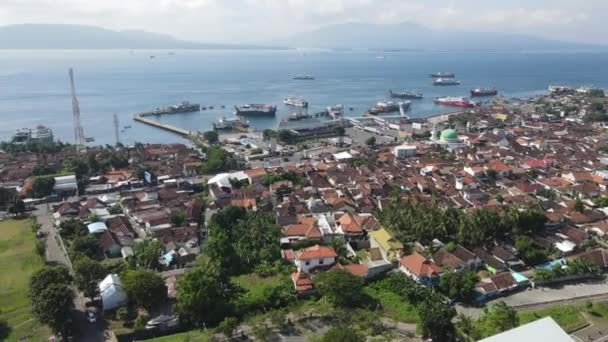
{"type": "Point", "coordinates": [34, 84]}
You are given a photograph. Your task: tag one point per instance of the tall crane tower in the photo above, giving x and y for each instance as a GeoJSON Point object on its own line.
{"type": "Point", "coordinates": [116, 128]}
{"type": "Point", "coordinates": [79, 138]}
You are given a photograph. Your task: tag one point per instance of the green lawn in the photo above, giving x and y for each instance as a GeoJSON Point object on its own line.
{"type": "Point", "coordinates": [568, 317]}
{"type": "Point", "coordinates": [253, 282]}
{"type": "Point", "coordinates": [393, 306]}
{"type": "Point", "coordinates": [190, 336]}
{"type": "Point", "coordinates": [19, 261]}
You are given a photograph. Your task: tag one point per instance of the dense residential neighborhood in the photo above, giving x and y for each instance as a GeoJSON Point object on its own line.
{"type": "Point", "coordinates": [498, 201]}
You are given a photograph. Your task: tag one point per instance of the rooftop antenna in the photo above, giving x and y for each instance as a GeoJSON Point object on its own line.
{"type": "Point", "coordinates": [79, 138]}
{"type": "Point", "coordinates": [116, 125]}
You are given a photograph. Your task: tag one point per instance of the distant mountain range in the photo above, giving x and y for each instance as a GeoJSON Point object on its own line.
{"type": "Point", "coordinates": [411, 36]}
{"type": "Point", "coordinates": [51, 36]}
{"type": "Point", "coordinates": [404, 36]}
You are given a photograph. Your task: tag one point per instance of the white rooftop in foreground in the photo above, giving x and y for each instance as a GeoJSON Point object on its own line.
{"type": "Point", "coordinates": [541, 330]}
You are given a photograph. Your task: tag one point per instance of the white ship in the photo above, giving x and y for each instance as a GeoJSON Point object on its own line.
{"type": "Point", "coordinates": [295, 101]}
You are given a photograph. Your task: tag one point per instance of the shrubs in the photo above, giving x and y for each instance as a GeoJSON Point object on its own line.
{"type": "Point", "coordinates": [227, 326]}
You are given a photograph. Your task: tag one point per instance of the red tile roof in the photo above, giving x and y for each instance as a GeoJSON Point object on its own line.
{"type": "Point", "coordinates": [302, 282]}
{"type": "Point", "coordinates": [419, 265]}
{"type": "Point", "coordinates": [317, 252]}
{"type": "Point", "coordinates": [358, 270]}
{"type": "Point", "coordinates": [305, 230]}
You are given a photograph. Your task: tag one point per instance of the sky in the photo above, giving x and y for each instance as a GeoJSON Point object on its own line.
{"type": "Point", "coordinates": [254, 21]}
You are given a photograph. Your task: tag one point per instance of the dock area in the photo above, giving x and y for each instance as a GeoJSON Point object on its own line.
{"type": "Point", "coordinates": [142, 117]}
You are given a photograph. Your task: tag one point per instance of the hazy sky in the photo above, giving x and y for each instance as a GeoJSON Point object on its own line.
{"type": "Point", "coordinates": [234, 21]}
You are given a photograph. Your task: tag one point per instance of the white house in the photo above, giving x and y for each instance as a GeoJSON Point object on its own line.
{"type": "Point", "coordinates": [112, 293]}
{"type": "Point", "coordinates": [313, 257]}
{"type": "Point", "coordinates": [97, 227]}
{"type": "Point", "coordinates": [405, 151]}
{"type": "Point", "coordinates": [66, 185]}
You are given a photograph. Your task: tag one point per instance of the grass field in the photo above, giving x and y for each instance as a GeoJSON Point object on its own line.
{"type": "Point", "coordinates": [568, 317]}
{"type": "Point", "coordinates": [393, 306]}
{"type": "Point", "coordinates": [19, 261]}
{"type": "Point", "coordinates": [190, 336]}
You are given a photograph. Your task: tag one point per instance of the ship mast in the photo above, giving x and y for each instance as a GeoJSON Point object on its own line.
{"type": "Point", "coordinates": [79, 138]}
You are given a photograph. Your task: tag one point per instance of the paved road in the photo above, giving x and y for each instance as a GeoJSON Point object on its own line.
{"type": "Point", "coordinates": [85, 331]}
{"type": "Point", "coordinates": [543, 297]}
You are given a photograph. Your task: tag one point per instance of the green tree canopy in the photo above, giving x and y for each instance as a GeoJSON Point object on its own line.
{"type": "Point", "coordinates": [53, 304]}
{"type": "Point", "coordinates": [436, 319]}
{"type": "Point", "coordinates": [218, 160]}
{"type": "Point", "coordinates": [211, 136]}
{"type": "Point", "coordinates": [204, 296]}
{"type": "Point", "coordinates": [530, 251]}
{"type": "Point", "coordinates": [371, 141]}
{"type": "Point", "coordinates": [458, 285]}
{"type": "Point", "coordinates": [42, 186]}
{"type": "Point", "coordinates": [340, 288]}
{"type": "Point", "coordinates": [87, 274]}
{"type": "Point", "coordinates": [86, 245]}
{"type": "Point", "coordinates": [147, 253]}
{"type": "Point", "coordinates": [178, 218]}
{"type": "Point", "coordinates": [144, 287]}
{"type": "Point", "coordinates": [71, 228]}
{"type": "Point", "coordinates": [240, 240]}
{"type": "Point", "coordinates": [46, 276]}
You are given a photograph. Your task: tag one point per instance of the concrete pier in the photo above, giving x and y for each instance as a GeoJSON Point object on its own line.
{"type": "Point", "coordinates": [143, 118]}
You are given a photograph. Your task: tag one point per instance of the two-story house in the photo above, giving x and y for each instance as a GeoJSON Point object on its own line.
{"type": "Point", "coordinates": [313, 257]}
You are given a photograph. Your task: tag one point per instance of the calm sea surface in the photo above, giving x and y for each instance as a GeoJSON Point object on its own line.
{"type": "Point", "coordinates": [34, 86]}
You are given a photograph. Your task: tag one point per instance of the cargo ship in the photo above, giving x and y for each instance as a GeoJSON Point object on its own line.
{"type": "Point", "coordinates": [295, 101]}
{"type": "Point", "coordinates": [184, 107]}
{"type": "Point", "coordinates": [405, 95]}
{"type": "Point", "coordinates": [384, 107]}
{"type": "Point", "coordinates": [446, 82]}
{"type": "Point", "coordinates": [230, 123]}
{"type": "Point", "coordinates": [255, 110]}
{"type": "Point", "coordinates": [455, 102]}
{"type": "Point", "coordinates": [484, 92]}
{"type": "Point", "coordinates": [443, 75]}
{"type": "Point", "coordinates": [303, 77]}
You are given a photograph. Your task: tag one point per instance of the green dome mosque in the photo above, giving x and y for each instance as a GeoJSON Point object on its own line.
{"type": "Point", "coordinates": [449, 136]}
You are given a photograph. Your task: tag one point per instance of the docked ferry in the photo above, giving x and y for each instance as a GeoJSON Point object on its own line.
{"type": "Point", "coordinates": [455, 102]}
{"type": "Point", "coordinates": [405, 95]}
{"type": "Point", "coordinates": [183, 107]}
{"type": "Point", "coordinates": [295, 101]}
{"type": "Point", "coordinates": [446, 82]}
{"type": "Point", "coordinates": [484, 92]}
{"type": "Point", "coordinates": [255, 110]}
{"type": "Point", "coordinates": [230, 123]}
{"type": "Point", "coordinates": [384, 107]}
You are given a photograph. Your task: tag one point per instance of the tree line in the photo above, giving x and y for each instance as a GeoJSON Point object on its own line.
{"type": "Point", "coordinates": [412, 219]}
